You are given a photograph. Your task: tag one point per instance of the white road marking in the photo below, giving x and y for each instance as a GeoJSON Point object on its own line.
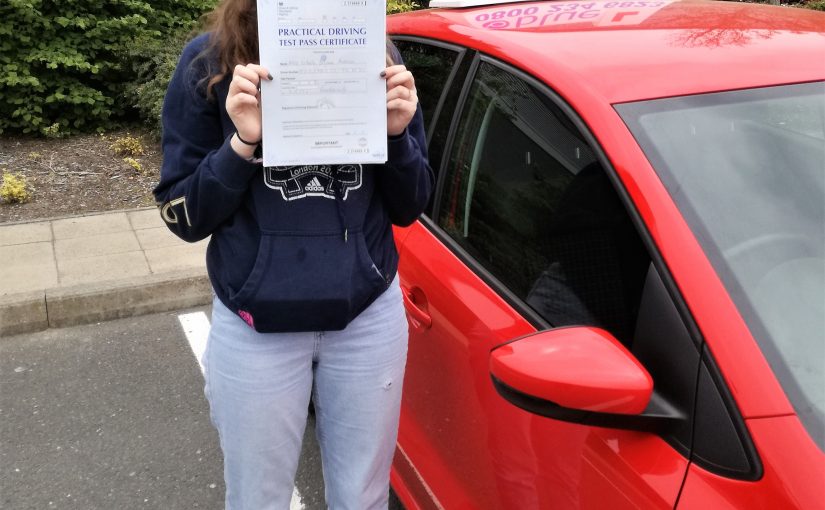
{"type": "Point", "coordinates": [297, 503]}
{"type": "Point", "coordinates": [196, 327]}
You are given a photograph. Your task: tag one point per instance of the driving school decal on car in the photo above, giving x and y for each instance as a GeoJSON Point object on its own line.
{"type": "Point", "coordinates": [301, 181]}
{"type": "Point", "coordinates": [582, 12]}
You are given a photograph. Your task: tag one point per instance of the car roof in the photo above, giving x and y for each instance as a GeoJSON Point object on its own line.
{"type": "Point", "coordinates": [634, 50]}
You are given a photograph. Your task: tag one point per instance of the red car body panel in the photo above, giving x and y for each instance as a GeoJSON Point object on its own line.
{"type": "Point", "coordinates": [508, 458]}
{"type": "Point", "coordinates": [794, 469]}
{"type": "Point", "coordinates": [666, 49]}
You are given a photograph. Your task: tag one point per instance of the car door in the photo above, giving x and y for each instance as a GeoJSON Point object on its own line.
{"type": "Point", "coordinates": [527, 232]}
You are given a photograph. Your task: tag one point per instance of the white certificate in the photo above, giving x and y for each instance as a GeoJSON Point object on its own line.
{"type": "Point", "coordinates": [327, 103]}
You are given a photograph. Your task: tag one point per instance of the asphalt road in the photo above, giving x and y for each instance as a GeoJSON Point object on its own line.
{"type": "Point", "coordinates": [113, 415]}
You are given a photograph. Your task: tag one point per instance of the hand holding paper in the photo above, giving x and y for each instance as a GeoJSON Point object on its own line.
{"type": "Point", "coordinates": [243, 106]}
{"type": "Point", "coordinates": [402, 99]}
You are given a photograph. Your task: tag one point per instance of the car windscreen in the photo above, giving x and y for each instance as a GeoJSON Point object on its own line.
{"type": "Point", "coordinates": [747, 170]}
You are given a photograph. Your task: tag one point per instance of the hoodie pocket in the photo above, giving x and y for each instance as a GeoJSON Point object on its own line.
{"type": "Point", "coordinates": [308, 282]}
{"type": "Point", "coordinates": [250, 285]}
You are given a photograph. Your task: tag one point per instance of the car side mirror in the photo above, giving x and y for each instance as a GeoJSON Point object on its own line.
{"type": "Point", "coordinates": [582, 375]}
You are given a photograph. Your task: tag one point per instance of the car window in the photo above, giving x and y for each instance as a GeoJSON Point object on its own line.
{"type": "Point", "coordinates": [526, 197]}
{"type": "Point", "coordinates": [431, 66]}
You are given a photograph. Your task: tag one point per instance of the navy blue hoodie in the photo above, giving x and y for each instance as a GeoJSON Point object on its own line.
{"type": "Point", "coordinates": [303, 248]}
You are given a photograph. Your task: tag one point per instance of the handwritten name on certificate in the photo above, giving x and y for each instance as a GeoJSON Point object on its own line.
{"type": "Point", "coordinates": [327, 103]}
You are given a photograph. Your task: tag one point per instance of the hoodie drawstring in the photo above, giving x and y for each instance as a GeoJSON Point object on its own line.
{"type": "Point", "coordinates": [338, 186]}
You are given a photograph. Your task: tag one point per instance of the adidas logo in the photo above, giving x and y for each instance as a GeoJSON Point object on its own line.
{"type": "Point", "coordinates": [314, 185]}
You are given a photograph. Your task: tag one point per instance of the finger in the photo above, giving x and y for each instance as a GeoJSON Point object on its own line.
{"type": "Point", "coordinates": [410, 95]}
{"type": "Point", "coordinates": [253, 74]}
{"type": "Point", "coordinates": [391, 71]}
{"type": "Point", "coordinates": [246, 99]}
{"type": "Point", "coordinates": [242, 85]}
{"type": "Point", "coordinates": [245, 72]}
{"type": "Point", "coordinates": [262, 72]}
{"type": "Point", "coordinates": [242, 100]}
{"type": "Point", "coordinates": [399, 93]}
{"type": "Point", "coordinates": [401, 105]}
{"type": "Point", "coordinates": [404, 79]}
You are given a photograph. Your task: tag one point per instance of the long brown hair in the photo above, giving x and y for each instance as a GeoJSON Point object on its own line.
{"type": "Point", "coordinates": [234, 39]}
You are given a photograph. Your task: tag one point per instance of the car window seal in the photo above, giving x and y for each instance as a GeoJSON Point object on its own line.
{"type": "Point", "coordinates": [461, 54]}
{"type": "Point", "coordinates": [451, 133]}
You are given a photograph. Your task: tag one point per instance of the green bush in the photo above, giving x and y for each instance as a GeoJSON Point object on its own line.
{"type": "Point", "coordinates": [65, 65]}
{"type": "Point", "coordinates": [396, 6]}
{"type": "Point", "coordinates": [79, 65]}
{"type": "Point", "coordinates": [154, 63]}
{"type": "Point", "coordinates": [817, 5]}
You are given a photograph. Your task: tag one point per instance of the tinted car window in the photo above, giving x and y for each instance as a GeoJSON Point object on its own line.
{"type": "Point", "coordinates": [431, 66]}
{"type": "Point", "coordinates": [526, 197]}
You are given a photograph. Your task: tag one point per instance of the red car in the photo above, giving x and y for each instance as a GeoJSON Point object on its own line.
{"type": "Point", "coordinates": [617, 295]}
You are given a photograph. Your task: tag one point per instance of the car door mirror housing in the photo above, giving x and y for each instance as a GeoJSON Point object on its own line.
{"type": "Point", "coordinates": [581, 375]}
{"type": "Point", "coordinates": [580, 368]}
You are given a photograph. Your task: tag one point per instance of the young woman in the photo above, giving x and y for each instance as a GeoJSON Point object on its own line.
{"type": "Point", "coordinates": [303, 265]}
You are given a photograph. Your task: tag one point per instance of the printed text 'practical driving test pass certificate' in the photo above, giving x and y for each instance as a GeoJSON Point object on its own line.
{"type": "Point", "coordinates": [327, 103]}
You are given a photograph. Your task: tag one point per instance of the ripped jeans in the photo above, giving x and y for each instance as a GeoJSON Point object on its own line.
{"type": "Point", "coordinates": [258, 387]}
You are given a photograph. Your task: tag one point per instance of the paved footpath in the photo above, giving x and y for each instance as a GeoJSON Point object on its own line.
{"type": "Point", "coordinates": [97, 267]}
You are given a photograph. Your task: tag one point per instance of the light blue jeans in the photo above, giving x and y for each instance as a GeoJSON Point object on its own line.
{"type": "Point", "coordinates": [258, 386]}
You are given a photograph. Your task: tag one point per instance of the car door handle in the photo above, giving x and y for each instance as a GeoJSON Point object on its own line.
{"type": "Point", "coordinates": [420, 318]}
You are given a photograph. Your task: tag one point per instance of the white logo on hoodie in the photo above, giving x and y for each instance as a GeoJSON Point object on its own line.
{"type": "Point", "coordinates": [301, 181]}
